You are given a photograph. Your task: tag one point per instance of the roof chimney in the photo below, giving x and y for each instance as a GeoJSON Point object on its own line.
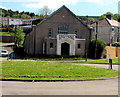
{"type": "Point", "coordinates": [109, 16]}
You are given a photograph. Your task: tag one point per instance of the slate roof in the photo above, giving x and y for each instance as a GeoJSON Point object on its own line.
{"type": "Point", "coordinates": [113, 22]}
{"type": "Point", "coordinates": [71, 14]}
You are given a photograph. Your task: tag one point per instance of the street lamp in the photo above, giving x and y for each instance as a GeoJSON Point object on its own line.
{"type": "Point", "coordinates": [96, 36]}
{"type": "Point", "coordinates": [86, 43]}
{"type": "Point", "coordinates": [118, 34]}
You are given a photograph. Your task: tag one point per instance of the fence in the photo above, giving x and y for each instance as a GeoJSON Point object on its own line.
{"type": "Point", "coordinates": [7, 39]}
{"type": "Point", "coordinates": [112, 52]}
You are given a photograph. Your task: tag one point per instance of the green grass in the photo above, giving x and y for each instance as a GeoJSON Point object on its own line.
{"type": "Point", "coordinates": [6, 34]}
{"type": "Point", "coordinates": [97, 61]}
{"type": "Point", "coordinates": [81, 60]}
{"type": "Point", "coordinates": [52, 70]}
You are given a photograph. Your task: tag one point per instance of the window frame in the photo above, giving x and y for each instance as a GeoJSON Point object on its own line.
{"type": "Point", "coordinates": [49, 32]}
{"type": "Point", "coordinates": [63, 29]}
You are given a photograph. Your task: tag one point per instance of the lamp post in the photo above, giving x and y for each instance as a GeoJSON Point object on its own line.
{"type": "Point", "coordinates": [96, 36]}
{"type": "Point", "coordinates": [86, 43]}
{"type": "Point", "coordinates": [118, 34]}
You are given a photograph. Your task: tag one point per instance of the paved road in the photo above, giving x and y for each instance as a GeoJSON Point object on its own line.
{"type": "Point", "coordinates": [100, 87]}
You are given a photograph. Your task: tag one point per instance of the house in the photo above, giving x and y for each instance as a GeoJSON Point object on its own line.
{"type": "Point", "coordinates": [10, 21]}
{"type": "Point", "coordinates": [18, 21]}
{"type": "Point", "coordinates": [3, 21]}
{"type": "Point", "coordinates": [32, 21]}
{"type": "Point", "coordinates": [107, 30]}
{"type": "Point", "coordinates": [62, 34]}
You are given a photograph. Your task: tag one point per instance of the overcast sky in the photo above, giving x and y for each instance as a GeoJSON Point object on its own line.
{"type": "Point", "coordinates": [78, 7]}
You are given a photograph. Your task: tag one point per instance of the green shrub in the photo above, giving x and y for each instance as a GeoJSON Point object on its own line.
{"type": "Point", "coordinates": [19, 36]}
{"type": "Point", "coordinates": [98, 47]}
{"type": "Point", "coordinates": [116, 44]}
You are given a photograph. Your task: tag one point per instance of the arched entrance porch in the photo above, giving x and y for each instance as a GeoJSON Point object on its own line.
{"type": "Point", "coordinates": [65, 49]}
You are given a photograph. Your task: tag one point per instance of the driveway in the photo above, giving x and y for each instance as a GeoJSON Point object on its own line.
{"type": "Point", "coordinates": [100, 87]}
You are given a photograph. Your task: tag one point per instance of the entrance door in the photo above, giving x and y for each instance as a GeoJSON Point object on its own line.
{"type": "Point", "coordinates": [65, 48]}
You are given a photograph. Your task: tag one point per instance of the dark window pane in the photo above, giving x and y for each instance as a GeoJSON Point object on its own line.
{"type": "Point", "coordinates": [79, 46]}
{"type": "Point", "coordinates": [51, 45]}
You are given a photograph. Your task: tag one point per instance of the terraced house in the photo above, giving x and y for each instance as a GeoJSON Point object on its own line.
{"type": "Point", "coordinates": [62, 34]}
{"type": "Point", "coordinates": [108, 30]}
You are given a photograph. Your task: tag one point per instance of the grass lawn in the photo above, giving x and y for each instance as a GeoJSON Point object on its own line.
{"type": "Point", "coordinates": [82, 60]}
{"type": "Point", "coordinates": [52, 70]}
{"type": "Point", "coordinates": [101, 61]}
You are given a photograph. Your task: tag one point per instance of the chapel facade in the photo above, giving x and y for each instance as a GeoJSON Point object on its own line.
{"type": "Point", "coordinates": [62, 34]}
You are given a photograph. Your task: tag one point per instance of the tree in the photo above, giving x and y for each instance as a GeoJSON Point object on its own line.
{"type": "Point", "coordinates": [25, 16]}
{"type": "Point", "coordinates": [19, 36]}
{"type": "Point", "coordinates": [16, 15]}
{"type": "Point", "coordinates": [2, 14]}
{"type": "Point", "coordinates": [45, 11]}
{"type": "Point", "coordinates": [104, 15]}
{"type": "Point", "coordinates": [100, 47]}
{"type": "Point", "coordinates": [32, 14]}
{"type": "Point", "coordinates": [90, 19]}
{"type": "Point", "coordinates": [116, 17]}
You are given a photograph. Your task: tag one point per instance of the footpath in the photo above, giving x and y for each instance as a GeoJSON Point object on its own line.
{"type": "Point", "coordinates": [106, 66]}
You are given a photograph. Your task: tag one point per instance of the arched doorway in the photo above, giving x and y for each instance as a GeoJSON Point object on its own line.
{"type": "Point", "coordinates": [65, 48]}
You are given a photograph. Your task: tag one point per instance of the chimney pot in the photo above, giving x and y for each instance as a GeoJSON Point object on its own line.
{"type": "Point", "coordinates": [109, 16]}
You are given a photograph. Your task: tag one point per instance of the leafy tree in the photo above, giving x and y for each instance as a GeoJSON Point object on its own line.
{"type": "Point", "coordinates": [116, 16]}
{"type": "Point", "coordinates": [17, 12]}
{"type": "Point", "coordinates": [32, 14]}
{"type": "Point", "coordinates": [19, 36]}
{"type": "Point", "coordinates": [16, 15]}
{"type": "Point", "coordinates": [104, 15]}
{"type": "Point", "coordinates": [25, 16]}
{"type": "Point", "coordinates": [98, 47]}
{"type": "Point", "coordinates": [45, 11]}
{"type": "Point", "coordinates": [116, 44]}
{"type": "Point", "coordinates": [91, 19]}
{"type": "Point", "coordinates": [2, 14]}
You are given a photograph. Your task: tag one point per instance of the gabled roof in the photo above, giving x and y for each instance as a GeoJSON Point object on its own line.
{"type": "Point", "coordinates": [113, 22]}
{"type": "Point", "coordinates": [67, 10]}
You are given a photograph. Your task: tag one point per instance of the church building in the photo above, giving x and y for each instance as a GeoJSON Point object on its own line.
{"type": "Point", "coordinates": [62, 34]}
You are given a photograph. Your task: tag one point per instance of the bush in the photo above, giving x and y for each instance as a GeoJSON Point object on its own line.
{"type": "Point", "coordinates": [100, 47]}
{"type": "Point", "coordinates": [19, 36]}
{"type": "Point", "coordinates": [116, 44]}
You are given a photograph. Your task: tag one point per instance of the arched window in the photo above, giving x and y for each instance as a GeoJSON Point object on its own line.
{"type": "Point", "coordinates": [63, 29]}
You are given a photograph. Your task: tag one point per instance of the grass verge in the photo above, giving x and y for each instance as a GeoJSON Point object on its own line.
{"type": "Point", "coordinates": [49, 70]}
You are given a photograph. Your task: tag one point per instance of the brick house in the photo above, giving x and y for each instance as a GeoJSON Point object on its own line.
{"type": "Point", "coordinates": [62, 33]}
{"type": "Point", "coordinates": [107, 30]}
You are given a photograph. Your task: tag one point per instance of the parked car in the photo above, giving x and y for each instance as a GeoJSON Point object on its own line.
{"type": "Point", "coordinates": [4, 53]}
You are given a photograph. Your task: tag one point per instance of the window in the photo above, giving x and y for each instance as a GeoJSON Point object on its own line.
{"type": "Point", "coordinates": [63, 29]}
{"type": "Point", "coordinates": [49, 33]}
{"type": "Point", "coordinates": [51, 45]}
{"type": "Point", "coordinates": [79, 46]}
{"type": "Point", "coordinates": [76, 32]}
{"type": "Point", "coordinates": [112, 29]}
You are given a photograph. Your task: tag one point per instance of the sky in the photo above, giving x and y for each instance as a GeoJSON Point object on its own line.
{"type": "Point", "coordinates": [78, 7]}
